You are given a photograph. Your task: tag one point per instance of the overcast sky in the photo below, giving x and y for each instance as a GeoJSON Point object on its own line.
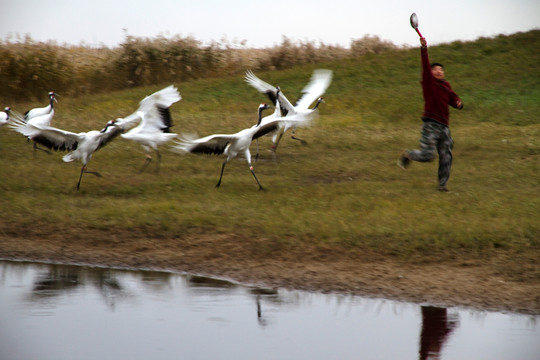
{"type": "Point", "coordinates": [262, 24]}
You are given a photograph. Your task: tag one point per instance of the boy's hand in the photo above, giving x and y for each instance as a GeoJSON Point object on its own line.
{"type": "Point", "coordinates": [423, 42]}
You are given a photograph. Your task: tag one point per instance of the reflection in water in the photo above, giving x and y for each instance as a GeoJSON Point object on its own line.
{"type": "Point", "coordinates": [58, 280]}
{"type": "Point", "coordinates": [202, 281]}
{"type": "Point", "coordinates": [269, 295]}
{"type": "Point", "coordinates": [436, 327]}
{"type": "Point", "coordinates": [55, 280]}
{"type": "Point", "coordinates": [160, 315]}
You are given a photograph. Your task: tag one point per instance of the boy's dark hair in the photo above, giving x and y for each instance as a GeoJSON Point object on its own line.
{"type": "Point", "coordinates": [436, 64]}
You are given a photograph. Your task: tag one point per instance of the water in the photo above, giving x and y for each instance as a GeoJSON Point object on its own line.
{"type": "Point", "coordinates": [69, 312]}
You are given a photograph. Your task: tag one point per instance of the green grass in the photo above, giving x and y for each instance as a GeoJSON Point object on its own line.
{"type": "Point", "coordinates": [342, 189]}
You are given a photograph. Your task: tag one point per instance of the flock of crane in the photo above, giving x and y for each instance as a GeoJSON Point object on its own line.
{"type": "Point", "coordinates": [150, 126]}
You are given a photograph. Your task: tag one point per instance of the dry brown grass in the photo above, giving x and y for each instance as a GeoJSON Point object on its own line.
{"type": "Point", "coordinates": [30, 69]}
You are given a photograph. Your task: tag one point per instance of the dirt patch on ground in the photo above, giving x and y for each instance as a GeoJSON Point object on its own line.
{"type": "Point", "coordinates": [471, 283]}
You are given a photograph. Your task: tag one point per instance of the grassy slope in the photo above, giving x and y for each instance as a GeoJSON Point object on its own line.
{"type": "Point", "coordinates": [342, 189]}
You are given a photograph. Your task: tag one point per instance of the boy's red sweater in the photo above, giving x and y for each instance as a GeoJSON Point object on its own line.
{"type": "Point", "coordinates": [438, 94]}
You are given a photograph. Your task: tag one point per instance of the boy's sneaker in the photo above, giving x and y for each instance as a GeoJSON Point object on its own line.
{"type": "Point", "coordinates": [404, 160]}
{"type": "Point", "coordinates": [443, 188]}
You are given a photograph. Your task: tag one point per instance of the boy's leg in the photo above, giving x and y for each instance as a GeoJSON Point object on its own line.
{"type": "Point", "coordinates": [428, 143]}
{"type": "Point", "coordinates": [444, 147]}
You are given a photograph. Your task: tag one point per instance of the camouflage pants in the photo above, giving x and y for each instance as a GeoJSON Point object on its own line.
{"type": "Point", "coordinates": [435, 136]}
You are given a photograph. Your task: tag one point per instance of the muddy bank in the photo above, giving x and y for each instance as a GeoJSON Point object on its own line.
{"type": "Point", "coordinates": [470, 283]}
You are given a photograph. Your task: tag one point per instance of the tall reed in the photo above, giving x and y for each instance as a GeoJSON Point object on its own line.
{"type": "Point", "coordinates": [28, 69]}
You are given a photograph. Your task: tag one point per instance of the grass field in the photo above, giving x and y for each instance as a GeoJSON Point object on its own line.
{"type": "Point", "coordinates": [342, 189]}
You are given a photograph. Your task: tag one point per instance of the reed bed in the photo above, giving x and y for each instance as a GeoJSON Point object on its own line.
{"type": "Point", "coordinates": [29, 68]}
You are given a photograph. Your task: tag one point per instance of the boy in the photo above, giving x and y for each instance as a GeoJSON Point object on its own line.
{"type": "Point", "coordinates": [438, 94]}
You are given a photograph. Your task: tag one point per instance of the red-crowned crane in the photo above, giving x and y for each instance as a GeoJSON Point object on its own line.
{"type": "Point", "coordinates": [42, 111]}
{"type": "Point", "coordinates": [82, 145]}
{"type": "Point", "coordinates": [41, 116]}
{"type": "Point", "coordinates": [233, 144]}
{"type": "Point", "coordinates": [4, 116]}
{"type": "Point", "coordinates": [313, 91]}
{"type": "Point", "coordinates": [155, 123]}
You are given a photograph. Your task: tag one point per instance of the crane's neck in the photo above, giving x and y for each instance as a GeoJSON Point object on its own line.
{"type": "Point", "coordinates": [260, 115]}
{"type": "Point", "coordinates": [317, 104]}
{"type": "Point", "coordinates": [278, 105]}
{"type": "Point", "coordinates": [107, 126]}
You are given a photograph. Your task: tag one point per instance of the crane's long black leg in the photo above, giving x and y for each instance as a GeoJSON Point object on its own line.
{"type": "Point", "coordinates": [255, 176]}
{"type": "Point", "coordinates": [293, 136]}
{"type": "Point", "coordinates": [158, 163]}
{"type": "Point", "coordinates": [221, 175]}
{"type": "Point", "coordinates": [84, 171]}
{"type": "Point", "coordinates": [257, 153]}
{"type": "Point", "coordinates": [146, 162]}
{"type": "Point", "coordinates": [36, 147]}
{"type": "Point", "coordinates": [275, 145]}
{"type": "Point", "coordinates": [274, 148]}
{"type": "Point", "coordinates": [248, 159]}
{"type": "Point", "coordinates": [80, 177]}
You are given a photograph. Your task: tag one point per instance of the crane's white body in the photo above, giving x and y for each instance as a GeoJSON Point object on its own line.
{"type": "Point", "coordinates": [36, 112]}
{"type": "Point", "coordinates": [320, 80]}
{"type": "Point", "coordinates": [149, 140]}
{"type": "Point", "coordinates": [42, 120]}
{"type": "Point", "coordinates": [231, 145]}
{"type": "Point", "coordinates": [41, 117]}
{"type": "Point", "coordinates": [4, 116]}
{"type": "Point", "coordinates": [83, 145]}
{"type": "Point", "coordinates": [155, 122]}
{"type": "Point", "coordinates": [313, 91]}
{"type": "Point", "coordinates": [150, 107]}
{"type": "Point", "coordinates": [87, 143]}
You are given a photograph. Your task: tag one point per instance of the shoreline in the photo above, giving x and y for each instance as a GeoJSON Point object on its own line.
{"type": "Point", "coordinates": [467, 284]}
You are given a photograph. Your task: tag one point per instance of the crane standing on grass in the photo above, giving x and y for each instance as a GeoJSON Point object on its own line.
{"type": "Point", "coordinates": [41, 116]}
{"type": "Point", "coordinates": [43, 110]}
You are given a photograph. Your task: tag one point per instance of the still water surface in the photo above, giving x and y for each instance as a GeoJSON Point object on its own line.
{"type": "Point", "coordinates": [73, 312]}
